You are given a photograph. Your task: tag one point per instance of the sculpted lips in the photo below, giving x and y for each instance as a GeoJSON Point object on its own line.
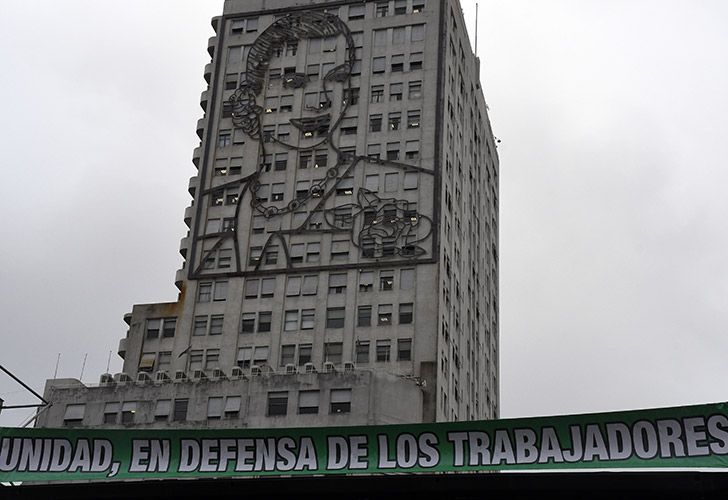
{"type": "Point", "coordinates": [312, 124]}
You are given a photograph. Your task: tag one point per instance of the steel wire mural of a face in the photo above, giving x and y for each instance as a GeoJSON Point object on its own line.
{"type": "Point", "coordinates": [378, 228]}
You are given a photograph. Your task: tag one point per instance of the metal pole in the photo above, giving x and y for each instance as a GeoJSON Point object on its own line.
{"type": "Point", "coordinates": [23, 384]}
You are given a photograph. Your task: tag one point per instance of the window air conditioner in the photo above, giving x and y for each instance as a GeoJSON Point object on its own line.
{"type": "Point", "coordinates": [199, 375]}
{"type": "Point", "coordinates": [255, 371]}
{"type": "Point", "coordinates": [218, 374]}
{"type": "Point", "coordinates": [143, 378]}
{"type": "Point", "coordinates": [236, 373]}
{"type": "Point", "coordinates": [290, 369]}
{"type": "Point", "coordinates": [106, 379]}
{"type": "Point", "coordinates": [329, 367]}
{"type": "Point", "coordinates": [349, 367]}
{"type": "Point", "coordinates": [161, 377]}
{"type": "Point", "coordinates": [309, 368]}
{"type": "Point", "coordinates": [180, 376]}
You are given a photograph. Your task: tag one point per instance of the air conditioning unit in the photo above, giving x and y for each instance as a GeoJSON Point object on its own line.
{"type": "Point", "coordinates": [106, 379]}
{"type": "Point", "coordinates": [255, 371]}
{"type": "Point", "coordinates": [180, 376]}
{"type": "Point", "coordinates": [218, 374]}
{"type": "Point", "coordinates": [199, 375]}
{"type": "Point", "coordinates": [161, 377]}
{"type": "Point", "coordinates": [122, 378]}
{"type": "Point", "coordinates": [329, 367]}
{"type": "Point", "coordinates": [349, 367]}
{"type": "Point", "coordinates": [143, 378]}
{"type": "Point", "coordinates": [309, 368]}
{"type": "Point", "coordinates": [290, 369]}
{"type": "Point", "coordinates": [236, 373]}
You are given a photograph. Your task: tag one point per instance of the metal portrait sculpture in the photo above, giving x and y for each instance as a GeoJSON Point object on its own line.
{"type": "Point", "coordinates": [378, 228]}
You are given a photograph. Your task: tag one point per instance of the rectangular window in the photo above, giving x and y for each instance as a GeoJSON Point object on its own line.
{"type": "Point", "coordinates": [340, 401]}
{"type": "Point", "coordinates": [397, 63]}
{"type": "Point", "coordinates": [200, 326]}
{"type": "Point", "coordinates": [398, 35]}
{"type": "Point", "coordinates": [216, 321]}
{"type": "Point", "coordinates": [297, 251]}
{"type": "Point", "coordinates": [345, 187]}
{"type": "Point", "coordinates": [400, 7]}
{"type": "Point", "coordinates": [271, 255]}
{"type": "Point", "coordinates": [232, 406]}
{"type": "Point", "coordinates": [162, 409]}
{"type": "Point", "coordinates": [180, 410]}
{"type": "Point", "coordinates": [411, 180]}
{"type": "Point", "coordinates": [221, 289]}
{"type": "Point", "coordinates": [337, 283]}
{"type": "Point", "coordinates": [308, 319]}
{"type": "Point", "coordinates": [404, 350]}
{"type": "Point", "coordinates": [153, 327]}
{"type": "Point", "coordinates": [254, 255]}
{"type": "Point", "coordinates": [339, 250]}
{"type": "Point", "coordinates": [310, 285]}
{"type": "Point", "coordinates": [395, 92]}
{"type": "Point", "coordinates": [281, 161]}
{"type": "Point", "coordinates": [364, 316]}
{"type": "Point", "coordinates": [386, 281]}
{"type": "Point", "coordinates": [382, 9]}
{"type": "Point", "coordinates": [356, 12]}
{"type": "Point", "coordinates": [288, 354]}
{"type": "Point", "coordinates": [224, 138]}
{"type": "Point", "coordinates": [212, 359]}
{"type": "Point", "coordinates": [392, 155]}
{"type": "Point", "coordinates": [304, 354]}
{"type": "Point", "coordinates": [308, 402]}
{"type": "Point", "coordinates": [111, 413]}
{"type": "Point", "coordinates": [313, 252]}
{"type": "Point", "coordinates": [418, 6]}
{"type": "Point", "coordinates": [290, 322]}
{"type": "Point", "coordinates": [383, 350]}
{"type": "Point", "coordinates": [413, 119]}
{"type": "Point", "coordinates": [385, 315]}
{"type": "Point", "coordinates": [415, 61]}
{"type": "Point", "coordinates": [128, 410]}
{"type": "Point", "coordinates": [380, 37]}
{"type": "Point", "coordinates": [260, 355]}
{"type": "Point", "coordinates": [371, 183]}
{"type": "Point", "coordinates": [214, 407]}
{"type": "Point", "coordinates": [377, 93]}
{"type": "Point", "coordinates": [245, 355]}
{"type": "Point", "coordinates": [267, 287]}
{"type": "Point", "coordinates": [335, 317]}
{"type": "Point", "coordinates": [362, 351]}
{"type": "Point", "coordinates": [264, 320]}
{"type": "Point", "coordinates": [251, 288]}
{"type": "Point", "coordinates": [375, 123]}
{"type": "Point", "coordinates": [277, 191]}
{"type": "Point", "coordinates": [407, 279]}
{"type": "Point", "coordinates": [195, 360]}
{"type": "Point", "coordinates": [417, 34]}
{"type": "Point", "coordinates": [366, 281]}
{"type": "Point", "coordinates": [413, 150]}
{"type": "Point", "coordinates": [146, 363]}
{"type": "Point", "coordinates": [405, 314]}
{"type": "Point", "coordinates": [248, 323]}
{"type": "Point", "coordinates": [277, 403]}
{"type": "Point", "coordinates": [293, 287]}
{"type": "Point", "coordinates": [169, 327]}
{"type": "Point", "coordinates": [379, 64]}
{"type": "Point", "coordinates": [333, 351]}
{"type": "Point", "coordinates": [415, 90]}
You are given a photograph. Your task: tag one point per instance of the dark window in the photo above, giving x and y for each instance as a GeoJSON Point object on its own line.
{"type": "Point", "coordinates": [335, 317]}
{"type": "Point", "coordinates": [364, 316]}
{"type": "Point", "coordinates": [404, 349]}
{"type": "Point", "coordinates": [180, 410]}
{"type": "Point", "coordinates": [277, 403]}
{"type": "Point", "coordinates": [405, 314]}
{"type": "Point", "coordinates": [340, 401]}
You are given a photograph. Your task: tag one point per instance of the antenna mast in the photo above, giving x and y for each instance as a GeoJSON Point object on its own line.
{"type": "Point", "coordinates": [476, 29]}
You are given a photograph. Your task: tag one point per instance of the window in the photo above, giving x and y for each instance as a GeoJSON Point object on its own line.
{"type": "Point", "coordinates": [313, 252]}
{"type": "Point", "coordinates": [290, 321]}
{"type": "Point", "coordinates": [418, 6]}
{"type": "Point", "coordinates": [277, 403]}
{"type": "Point", "coordinates": [407, 279]}
{"type": "Point", "coordinates": [264, 320]}
{"type": "Point", "coordinates": [382, 9]}
{"type": "Point", "coordinates": [380, 37]}
{"type": "Point", "coordinates": [335, 317]}
{"type": "Point", "coordinates": [231, 81]}
{"type": "Point", "coordinates": [352, 97]}
{"type": "Point", "coordinates": [366, 281]}
{"type": "Point", "coordinates": [286, 104]}
{"type": "Point", "coordinates": [271, 255]}
{"type": "Point", "coordinates": [304, 354]}
{"type": "Point", "coordinates": [349, 126]}
{"type": "Point", "coordinates": [146, 362]}
{"type": "Point", "coordinates": [249, 25]}
{"type": "Point", "coordinates": [216, 321]}
{"type": "Point", "coordinates": [212, 359]}
{"type": "Point", "coordinates": [412, 151]}
{"type": "Point", "coordinates": [288, 354]}
{"type": "Point", "coordinates": [415, 61]}
{"type": "Point", "coordinates": [200, 327]}
{"type": "Point", "coordinates": [417, 34]}
{"type": "Point", "coordinates": [293, 287]}
{"type": "Point", "coordinates": [153, 327]}
{"type": "Point", "coordinates": [214, 407]}
{"type": "Point", "coordinates": [308, 402]}
{"type": "Point", "coordinates": [297, 250]}
{"type": "Point", "coordinates": [397, 63]}
{"type": "Point", "coordinates": [302, 188]}
{"type": "Point", "coordinates": [164, 360]}
{"type": "Point", "coordinates": [362, 351]}
{"type": "Point", "coordinates": [74, 414]}
{"type": "Point", "coordinates": [356, 12]}
{"type": "Point", "coordinates": [195, 360]}
{"type": "Point", "coordinates": [377, 93]}
{"type": "Point", "coordinates": [383, 350]}
{"type": "Point", "coordinates": [308, 319]}
{"type": "Point", "coordinates": [162, 409]}
{"type": "Point", "coordinates": [386, 281]}
{"type": "Point", "coordinates": [374, 151]}
{"type": "Point", "coordinates": [411, 180]}
{"type": "Point", "coordinates": [180, 410]}
{"type": "Point", "coordinates": [254, 255]}
{"type": "Point", "coordinates": [232, 406]}
{"type": "Point", "coordinates": [392, 155]}
{"type": "Point", "coordinates": [375, 123]}
{"type": "Point", "coordinates": [404, 349]}
{"type": "Point", "coordinates": [414, 90]}
{"type": "Point", "coordinates": [248, 323]}
{"type": "Point", "coordinates": [364, 316]}
{"type": "Point", "coordinates": [339, 250]}
{"type": "Point", "coordinates": [260, 355]}
{"type": "Point", "coordinates": [281, 160]}
{"type": "Point", "coordinates": [413, 119]}
{"type": "Point", "coordinates": [400, 7]}
{"type": "Point", "coordinates": [379, 64]}
{"type": "Point", "coordinates": [345, 187]}
{"type": "Point", "coordinates": [267, 287]}
{"type": "Point", "coordinates": [224, 138]}
{"type": "Point", "coordinates": [395, 121]}
{"type": "Point", "coordinates": [398, 35]}
{"type": "Point", "coordinates": [340, 401]}
{"type": "Point", "coordinates": [111, 413]}
{"type": "Point", "coordinates": [385, 315]}
{"type": "Point", "coordinates": [405, 314]}
{"type": "Point", "coordinates": [395, 92]}
{"type": "Point", "coordinates": [245, 355]}
{"type": "Point", "coordinates": [337, 283]}
{"type": "Point", "coordinates": [310, 285]}
{"type": "Point", "coordinates": [332, 352]}
{"type": "Point", "coordinates": [128, 410]}
{"type": "Point", "coordinates": [321, 159]}
{"type": "Point", "coordinates": [221, 289]}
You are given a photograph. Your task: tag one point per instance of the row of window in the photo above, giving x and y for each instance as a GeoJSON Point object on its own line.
{"type": "Point", "coordinates": [397, 63]}
{"type": "Point", "coordinates": [308, 402]}
{"type": "Point", "coordinates": [305, 319]}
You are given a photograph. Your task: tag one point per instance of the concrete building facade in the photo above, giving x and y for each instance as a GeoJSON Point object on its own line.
{"type": "Point", "coordinates": [342, 253]}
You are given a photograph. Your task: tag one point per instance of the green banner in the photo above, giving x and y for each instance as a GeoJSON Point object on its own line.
{"type": "Point", "coordinates": [684, 437]}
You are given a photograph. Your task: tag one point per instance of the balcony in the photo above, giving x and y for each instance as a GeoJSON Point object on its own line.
{"type": "Point", "coordinates": [122, 348]}
{"type": "Point", "coordinates": [215, 23]}
{"type": "Point", "coordinates": [208, 72]}
{"type": "Point", "coordinates": [192, 187]}
{"type": "Point", "coordinates": [127, 319]}
{"type": "Point", "coordinates": [184, 244]}
{"type": "Point", "coordinates": [201, 127]}
{"type": "Point", "coordinates": [204, 99]}
{"type": "Point", "coordinates": [196, 155]}
{"type": "Point", "coordinates": [179, 278]}
{"type": "Point", "coordinates": [189, 211]}
{"type": "Point", "coordinates": [211, 44]}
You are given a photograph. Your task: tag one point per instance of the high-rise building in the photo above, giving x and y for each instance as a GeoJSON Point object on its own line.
{"type": "Point", "coordinates": [341, 264]}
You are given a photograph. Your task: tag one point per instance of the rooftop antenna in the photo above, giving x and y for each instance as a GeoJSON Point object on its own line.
{"type": "Point", "coordinates": [476, 29]}
{"type": "Point", "coordinates": [58, 360]}
{"type": "Point", "coordinates": [108, 362]}
{"type": "Point", "coordinates": [83, 366]}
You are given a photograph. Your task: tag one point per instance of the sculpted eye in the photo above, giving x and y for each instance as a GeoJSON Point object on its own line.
{"type": "Point", "coordinates": [294, 80]}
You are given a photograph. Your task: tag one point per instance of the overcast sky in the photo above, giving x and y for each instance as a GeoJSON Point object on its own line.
{"type": "Point", "coordinates": [613, 117]}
